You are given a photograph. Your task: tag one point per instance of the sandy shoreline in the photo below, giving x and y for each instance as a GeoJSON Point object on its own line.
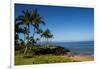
{"type": "Point", "coordinates": [82, 58]}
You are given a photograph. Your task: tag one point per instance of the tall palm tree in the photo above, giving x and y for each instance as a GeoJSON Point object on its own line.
{"type": "Point", "coordinates": [36, 20]}
{"type": "Point", "coordinates": [25, 20]}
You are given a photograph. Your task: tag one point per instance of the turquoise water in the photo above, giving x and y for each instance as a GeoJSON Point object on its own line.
{"type": "Point", "coordinates": [78, 48]}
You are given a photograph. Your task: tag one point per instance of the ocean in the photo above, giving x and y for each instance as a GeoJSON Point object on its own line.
{"type": "Point", "coordinates": [78, 48]}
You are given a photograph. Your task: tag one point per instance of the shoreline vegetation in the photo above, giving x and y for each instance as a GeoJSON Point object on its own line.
{"type": "Point", "coordinates": [49, 54]}
{"type": "Point", "coordinates": [28, 51]}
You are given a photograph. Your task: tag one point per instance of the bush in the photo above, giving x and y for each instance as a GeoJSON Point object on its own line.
{"type": "Point", "coordinates": [51, 49]}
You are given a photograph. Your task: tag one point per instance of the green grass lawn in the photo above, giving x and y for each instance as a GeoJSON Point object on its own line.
{"type": "Point", "coordinates": [42, 59]}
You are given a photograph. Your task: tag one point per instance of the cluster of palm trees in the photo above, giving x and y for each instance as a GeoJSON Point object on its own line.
{"type": "Point", "coordinates": [22, 25]}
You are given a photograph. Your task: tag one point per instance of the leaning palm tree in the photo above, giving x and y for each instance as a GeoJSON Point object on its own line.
{"type": "Point", "coordinates": [25, 20]}
{"type": "Point", "coordinates": [36, 21]}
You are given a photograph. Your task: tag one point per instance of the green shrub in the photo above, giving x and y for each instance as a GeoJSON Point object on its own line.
{"type": "Point", "coordinates": [50, 49]}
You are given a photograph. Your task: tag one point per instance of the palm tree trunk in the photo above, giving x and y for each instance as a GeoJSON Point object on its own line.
{"type": "Point", "coordinates": [28, 32]}
{"type": "Point", "coordinates": [47, 41]}
{"type": "Point", "coordinates": [27, 42]}
{"type": "Point", "coordinates": [33, 43]}
{"type": "Point", "coordinates": [34, 33]}
{"type": "Point", "coordinates": [24, 38]}
{"type": "Point", "coordinates": [29, 49]}
{"type": "Point", "coordinates": [25, 50]}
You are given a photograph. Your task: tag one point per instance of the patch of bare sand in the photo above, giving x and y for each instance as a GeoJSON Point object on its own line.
{"type": "Point", "coordinates": [82, 58]}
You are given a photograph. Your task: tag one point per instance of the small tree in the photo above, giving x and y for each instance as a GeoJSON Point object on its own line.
{"type": "Point", "coordinates": [47, 34]}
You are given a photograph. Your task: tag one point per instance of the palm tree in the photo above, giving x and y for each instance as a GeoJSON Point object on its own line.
{"type": "Point", "coordinates": [47, 34]}
{"type": "Point", "coordinates": [36, 20]}
{"type": "Point", "coordinates": [25, 20]}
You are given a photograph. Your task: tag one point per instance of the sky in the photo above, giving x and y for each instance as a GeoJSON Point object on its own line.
{"type": "Point", "coordinates": [65, 23]}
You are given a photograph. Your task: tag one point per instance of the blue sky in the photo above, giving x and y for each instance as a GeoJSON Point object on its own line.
{"type": "Point", "coordinates": [66, 23]}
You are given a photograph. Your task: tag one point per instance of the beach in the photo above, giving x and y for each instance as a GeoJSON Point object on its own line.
{"type": "Point", "coordinates": [81, 58]}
